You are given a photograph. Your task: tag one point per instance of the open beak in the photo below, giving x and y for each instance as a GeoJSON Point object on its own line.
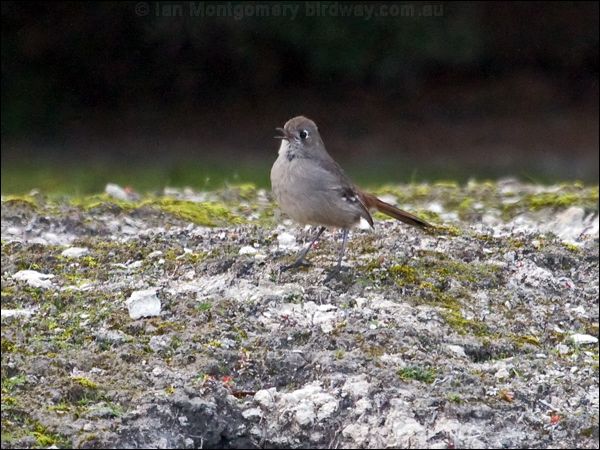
{"type": "Point", "coordinates": [287, 136]}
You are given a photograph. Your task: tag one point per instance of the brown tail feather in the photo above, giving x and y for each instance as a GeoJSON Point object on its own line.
{"type": "Point", "coordinates": [372, 202]}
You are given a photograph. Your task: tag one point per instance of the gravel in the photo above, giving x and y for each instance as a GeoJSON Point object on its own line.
{"type": "Point", "coordinates": [480, 334]}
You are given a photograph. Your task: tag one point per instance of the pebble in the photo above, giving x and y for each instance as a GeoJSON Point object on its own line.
{"type": "Point", "coordinates": [584, 339]}
{"type": "Point", "coordinates": [74, 252]}
{"type": "Point", "coordinates": [34, 278]}
{"type": "Point", "coordinates": [143, 303]}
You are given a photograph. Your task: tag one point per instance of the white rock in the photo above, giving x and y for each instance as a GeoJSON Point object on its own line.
{"type": "Point", "coordinates": [579, 310]}
{"type": "Point", "coordinates": [361, 406]}
{"type": "Point", "coordinates": [360, 302]}
{"type": "Point", "coordinates": [571, 223]}
{"type": "Point", "coordinates": [158, 370]}
{"type": "Point", "coordinates": [327, 327]}
{"type": "Point", "coordinates": [563, 349]}
{"type": "Point", "coordinates": [410, 428]}
{"type": "Point", "coordinates": [490, 220]}
{"type": "Point", "coordinates": [357, 386]}
{"type": "Point", "coordinates": [189, 275]}
{"type": "Point", "coordinates": [266, 398]}
{"type": "Point", "coordinates": [17, 312]}
{"type": "Point", "coordinates": [252, 413]}
{"type": "Point", "coordinates": [457, 349]}
{"type": "Point", "coordinates": [143, 304]}
{"type": "Point", "coordinates": [435, 207]}
{"type": "Point", "coordinates": [305, 414]}
{"type": "Point", "coordinates": [502, 373]}
{"type": "Point", "coordinates": [56, 239]}
{"type": "Point", "coordinates": [364, 225]}
{"type": "Point", "coordinates": [388, 198]}
{"type": "Point", "coordinates": [358, 433]}
{"type": "Point", "coordinates": [584, 339]}
{"type": "Point", "coordinates": [247, 250]}
{"type": "Point", "coordinates": [13, 231]}
{"type": "Point", "coordinates": [75, 252]}
{"type": "Point", "coordinates": [116, 191]}
{"type": "Point", "coordinates": [34, 278]}
{"type": "Point", "coordinates": [309, 405]}
{"type": "Point", "coordinates": [286, 240]}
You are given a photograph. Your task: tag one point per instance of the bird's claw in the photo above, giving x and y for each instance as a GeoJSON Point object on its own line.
{"type": "Point", "coordinates": [295, 265]}
{"type": "Point", "coordinates": [334, 272]}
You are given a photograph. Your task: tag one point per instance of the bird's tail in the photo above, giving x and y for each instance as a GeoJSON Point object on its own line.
{"type": "Point", "coordinates": [372, 202]}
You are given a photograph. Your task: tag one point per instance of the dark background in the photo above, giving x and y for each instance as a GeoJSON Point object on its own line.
{"type": "Point", "coordinates": [99, 92]}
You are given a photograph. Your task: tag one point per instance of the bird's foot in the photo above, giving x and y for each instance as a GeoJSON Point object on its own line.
{"type": "Point", "coordinates": [334, 273]}
{"type": "Point", "coordinates": [297, 264]}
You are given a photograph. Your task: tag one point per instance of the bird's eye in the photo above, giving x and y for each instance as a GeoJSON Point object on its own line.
{"type": "Point", "coordinates": [303, 134]}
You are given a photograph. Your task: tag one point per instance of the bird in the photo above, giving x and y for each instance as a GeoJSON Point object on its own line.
{"type": "Point", "coordinates": [313, 189]}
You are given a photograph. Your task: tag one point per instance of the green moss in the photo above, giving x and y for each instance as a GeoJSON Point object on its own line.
{"type": "Point", "coordinates": [88, 261]}
{"type": "Point", "coordinates": [465, 204]}
{"type": "Point", "coordinates": [115, 409]}
{"type": "Point", "coordinates": [89, 202]}
{"type": "Point", "coordinates": [85, 382]}
{"type": "Point", "coordinates": [176, 342]}
{"type": "Point", "coordinates": [593, 195]}
{"type": "Point", "coordinates": [447, 184]}
{"type": "Point", "coordinates": [8, 401]}
{"type": "Point", "coordinates": [246, 190]}
{"type": "Point", "coordinates": [241, 333]}
{"type": "Point", "coordinates": [88, 438]}
{"type": "Point", "coordinates": [449, 230]}
{"type": "Point", "coordinates": [403, 274]}
{"type": "Point", "coordinates": [418, 373]}
{"type": "Point", "coordinates": [390, 190]}
{"type": "Point", "coordinates": [339, 354]}
{"type": "Point", "coordinates": [205, 213]}
{"type": "Point", "coordinates": [204, 306]}
{"type": "Point", "coordinates": [8, 346]}
{"type": "Point", "coordinates": [375, 351]}
{"type": "Point", "coordinates": [208, 214]}
{"type": "Point", "coordinates": [63, 406]}
{"type": "Point", "coordinates": [572, 195]}
{"type": "Point", "coordinates": [522, 340]}
{"type": "Point", "coordinates": [9, 383]}
{"type": "Point", "coordinates": [551, 199]}
{"type": "Point", "coordinates": [462, 325]}
{"type": "Point", "coordinates": [165, 327]}
{"type": "Point", "coordinates": [21, 200]}
{"type": "Point", "coordinates": [454, 398]}
{"type": "Point", "coordinates": [377, 216]}
{"type": "Point", "coordinates": [43, 439]}
{"type": "Point", "coordinates": [571, 247]}
{"type": "Point", "coordinates": [431, 217]}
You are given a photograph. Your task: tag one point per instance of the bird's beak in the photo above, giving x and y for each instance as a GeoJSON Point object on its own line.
{"type": "Point", "coordinates": [286, 135]}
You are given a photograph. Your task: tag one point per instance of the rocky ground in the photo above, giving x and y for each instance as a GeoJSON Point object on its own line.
{"type": "Point", "coordinates": [165, 322]}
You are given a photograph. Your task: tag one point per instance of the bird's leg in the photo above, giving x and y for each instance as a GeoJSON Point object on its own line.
{"type": "Point", "coordinates": [338, 267]}
{"type": "Point", "coordinates": [300, 261]}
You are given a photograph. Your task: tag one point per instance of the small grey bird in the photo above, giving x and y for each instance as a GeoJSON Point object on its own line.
{"type": "Point", "coordinates": [313, 189]}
